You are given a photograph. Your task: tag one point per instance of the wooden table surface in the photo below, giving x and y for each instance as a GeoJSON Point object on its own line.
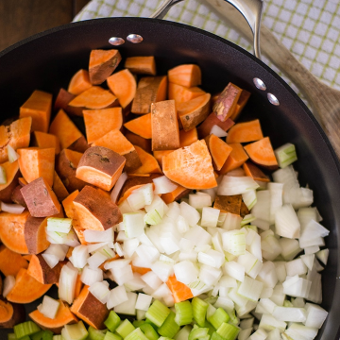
{"type": "Point", "coordinates": [20, 19]}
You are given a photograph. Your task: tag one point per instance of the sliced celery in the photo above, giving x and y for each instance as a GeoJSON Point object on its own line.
{"type": "Point", "coordinates": [157, 313]}
{"type": "Point", "coordinates": [184, 313]}
{"type": "Point", "coordinates": [138, 323]}
{"type": "Point", "coordinates": [285, 155]}
{"type": "Point", "coordinates": [112, 321]}
{"type": "Point", "coordinates": [137, 334]}
{"type": "Point", "coordinates": [11, 336]}
{"type": "Point", "coordinates": [216, 336]}
{"type": "Point", "coordinates": [25, 328]}
{"type": "Point", "coordinates": [198, 333]}
{"type": "Point", "coordinates": [169, 327]}
{"type": "Point", "coordinates": [228, 331]}
{"type": "Point", "coordinates": [149, 331]}
{"type": "Point", "coordinates": [95, 334]}
{"type": "Point", "coordinates": [199, 310]}
{"type": "Point", "coordinates": [112, 336]}
{"type": "Point", "coordinates": [26, 337]}
{"type": "Point", "coordinates": [125, 328]}
{"type": "Point", "coordinates": [218, 317]}
{"type": "Point", "coordinates": [42, 335]}
{"type": "Point", "coordinates": [210, 327]}
{"type": "Point", "coordinates": [164, 338]}
{"type": "Point", "coordinates": [76, 331]}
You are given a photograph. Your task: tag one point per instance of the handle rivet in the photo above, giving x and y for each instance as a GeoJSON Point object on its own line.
{"type": "Point", "coordinates": [273, 99]}
{"type": "Point", "coordinates": [134, 38]}
{"type": "Point", "coordinates": [259, 83]}
{"type": "Point", "coordinates": [116, 41]}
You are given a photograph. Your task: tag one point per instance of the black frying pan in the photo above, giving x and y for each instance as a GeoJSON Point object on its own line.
{"type": "Point", "coordinates": [48, 60]}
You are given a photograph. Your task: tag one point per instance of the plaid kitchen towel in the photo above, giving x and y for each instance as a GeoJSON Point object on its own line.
{"type": "Point", "coordinates": [310, 29]}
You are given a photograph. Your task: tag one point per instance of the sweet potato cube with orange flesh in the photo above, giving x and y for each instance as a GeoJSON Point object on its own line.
{"type": "Point", "coordinates": [188, 137]}
{"type": "Point", "coordinates": [117, 142]}
{"type": "Point", "coordinates": [191, 167]}
{"type": "Point", "coordinates": [66, 131]}
{"type": "Point", "coordinates": [38, 106]}
{"type": "Point", "coordinates": [164, 126]}
{"type": "Point", "coordinates": [26, 288]}
{"type": "Point", "coordinates": [149, 90]}
{"type": "Point", "coordinates": [62, 100]}
{"type": "Point", "coordinates": [194, 111]}
{"type": "Point", "coordinates": [159, 154]}
{"type": "Point", "coordinates": [143, 143]}
{"type": "Point", "coordinates": [42, 272]}
{"type": "Point", "coordinates": [12, 231]}
{"type": "Point", "coordinates": [235, 159]}
{"type": "Point", "coordinates": [188, 75]}
{"type": "Point", "coordinates": [17, 135]}
{"type": "Point", "coordinates": [84, 305]}
{"type": "Point", "coordinates": [149, 163]}
{"type": "Point", "coordinates": [175, 195]}
{"type": "Point", "coordinates": [36, 162]}
{"type": "Point", "coordinates": [123, 85]}
{"type": "Point", "coordinates": [95, 210]}
{"type": "Point", "coordinates": [262, 153]}
{"type": "Point", "coordinates": [101, 167]}
{"type": "Point", "coordinates": [11, 262]}
{"type": "Point", "coordinates": [141, 65]}
{"type": "Point", "coordinates": [12, 171]}
{"type": "Point", "coordinates": [99, 122]}
{"type": "Point", "coordinates": [204, 129]}
{"type": "Point", "coordinates": [41, 201]}
{"type": "Point", "coordinates": [254, 172]}
{"type": "Point", "coordinates": [66, 167]}
{"type": "Point", "coordinates": [230, 204]}
{"type": "Point", "coordinates": [141, 126]}
{"type": "Point", "coordinates": [80, 145]}
{"type": "Point", "coordinates": [59, 187]}
{"type": "Point", "coordinates": [241, 103]}
{"type": "Point", "coordinates": [245, 132]}
{"type": "Point", "coordinates": [11, 314]}
{"type": "Point", "coordinates": [102, 64]}
{"type": "Point", "coordinates": [226, 102]}
{"type": "Point", "coordinates": [219, 150]}
{"type": "Point", "coordinates": [181, 94]}
{"type": "Point", "coordinates": [46, 140]}
{"type": "Point", "coordinates": [79, 83]}
{"type": "Point", "coordinates": [63, 317]}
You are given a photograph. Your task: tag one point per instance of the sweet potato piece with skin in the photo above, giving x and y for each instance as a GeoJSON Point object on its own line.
{"type": "Point", "coordinates": [231, 204]}
{"type": "Point", "coordinates": [175, 195]}
{"type": "Point", "coordinates": [62, 100]}
{"type": "Point", "coordinates": [141, 126]}
{"type": "Point", "coordinates": [46, 140]}
{"type": "Point", "coordinates": [63, 317]}
{"type": "Point", "coordinates": [226, 102]}
{"type": "Point", "coordinates": [102, 63]}
{"type": "Point", "coordinates": [12, 174]}
{"type": "Point", "coordinates": [245, 132]}
{"type": "Point", "coordinates": [181, 94]}
{"type": "Point", "coordinates": [149, 90]}
{"type": "Point", "coordinates": [80, 145]}
{"type": "Point", "coordinates": [12, 234]}
{"type": "Point", "coordinates": [42, 272]}
{"type": "Point", "coordinates": [191, 167]}
{"type": "Point", "coordinates": [242, 101]}
{"type": "Point", "coordinates": [123, 85]}
{"type": "Point", "coordinates": [205, 128]}
{"type": "Point", "coordinates": [84, 305]}
{"type": "Point", "coordinates": [95, 210]}
{"type": "Point", "coordinates": [219, 150]}
{"type": "Point", "coordinates": [26, 289]}
{"type": "Point", "coordinates": [236, 158]}
{"type": "Point", "coordinates": [149, 163]}
{"type": "Point", "coordinates": [66, 131]}
{"type": "Point", "coordinates": [143, 143]}
{"type": "Point", "coordinates": [254, 172]}
{"type": "Point", "coordinates": [188, 75]}
{"type": "Point", "coordinates": [38, 106]}
{"type": "Point", "coordinates": [11, 262]}
{"type": "Point", "coordinates": [188, 137]}
{"type": "Point", "coordinates": [79, 83]}
{"type": "Point", "coordinates": [11, 314]}
{"type": "Point", "coordinates": [16, 196]}
{"type": "Point", "coordinates": [194, 111]}
{"type": "Point", "coordinates": [101, 167]}
{"type": "Point", "coordinates": [59, 187]}
{"type": "Point", "coordinates": [164, 126]}
{"type": "Point", "coordinates": [99, 122]}
{"type": "Point", "coordinates": [41, 201]}
{"type": "Point", "coordinates": [262, 153]}
{"type": "Point", "coordinates": [141, 65]}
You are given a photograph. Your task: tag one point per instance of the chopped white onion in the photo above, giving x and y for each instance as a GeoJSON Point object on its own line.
{"type": "Point", "coordinates": [12, 208]}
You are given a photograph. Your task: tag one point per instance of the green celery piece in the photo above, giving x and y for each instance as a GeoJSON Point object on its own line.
{"type": "Point", "coordinates": [137, 334]}
{"type": "Point", "coordinates": [234, 320]}
{"type": "Point", "coordinates": [169, 327]}
{"type": "Point", "coordinates": [149, 331]}
{"type": "Point", "coordinates": [138, 323]}
{"type": "Point", "coordinates": [95, 334]}
{"type": "Point", "coordinates": [111, 336]}
{"type": "Point", "coordinates": [75, 331]}
{"type": "Point", "coordinates": [26, 337]}
{"type": "Point", "coordinates": [228, 331]}
{"type": "Point", "coordinates": [25, 328]}
{"type": "Point", "coordinates": [164, 338]}
{"type": "Point", "coordinates": [42, 335]}
{"type": "Point", "coordinates": [112, 321]}
{"type": "Point", "coordinates": [285, 155]}
{"type": "Point", "coordinates": [199, 310]}
{"type": "Point", "coordinates": [218, 317]}
{"type": "Point", "coordinates": [184, 313]}
{"type": "Point", "coordinates": [210, 327]}
{"type": "Point", "coordinates": [11, 336]}
{"type": "Point", "coordinates": [198, 333]}
{"type": "Point", "coordinates": [125, 328]}
{"type": "Point", "coordinates": [157, 313]}
{"type": "Point", "coordinates": [216, 336]}
{"type": "Point", "coordinates": [151, 323]}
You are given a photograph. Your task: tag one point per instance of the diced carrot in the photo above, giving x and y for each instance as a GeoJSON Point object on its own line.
{"type": "Point", "coordinates": [242, 101]}
{"type": "Point", "coordinates": [123, 85]}
{"type": "Point", "coordinates": [262, 153]}
{"type": "Point", "coordinates": [205, 128]}
{"type": "Point", "coordinates": [186, 75]}
{"type": "Point", "coordinates": [159, 154]}
{"type": "Point", "coordinates": [254, 172]}
{"type": "Point", "coordinates": [245, 132]}
{"type": "Point", "coordinates": [236, 158]}
{"type": "Point", "coordinates": [188, 137]}
{"type": "Point", "coordinates": [134, 139]}
{"type": "Point", "coordinates": [149, 163]}
{"type": "Point", "coordinates": [100, 122]}
{"type": "Point", "coordinates": [175, 195]}
{"type": "Point", "coordinates": [141, 126]}
{"type": "Point", "coordinates": [219, 150]}
{"type": "Point", "coordinates": [11, 262]}
{"type": "Point", "coordinates": [46, 140]}
{"type": "Point", "coordinates": [79, 83]}
{"type": "Point", "coordinates": [38, 106]}
{"type": "Point", "coordinates": [179, 290]}
{"type": "Point", "coordinates": [182, 93]}
{"type": "Point", "coordinates": [191, 167]}
{"type": "Point", "coordinates": [141, 65]}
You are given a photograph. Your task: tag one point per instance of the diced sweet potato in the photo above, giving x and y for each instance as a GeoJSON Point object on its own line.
{"type": "Point", "coordinates": [186, 75]}
{"type": "Point", "coordinates": [245, 132]}
{"type": "Point", "coordinates": [188, 137]}
{"type": "Point", "coordinates": [182, 94]}
{"type": "Point", "coordinates": [12, 174]}
{"type": "Point", "coordinates": [219, 150]}
{"type": "Point", "coordinates": [149, 163]}
{"type": "Point", "coordinates": [205, 128]}
{"type": "Point", "coordinates": [242, 101]}
{"type": "Point", "coordinates": [101, 167]}
{"type": "Point", "coordinates": [141, 126]}
{"type": "Point", "coordinates": [41, 201]}
{"type": "Point", "coordinates": [80, 145]}
{"type": "Point", "coordinates": [254, 172]}
{"type": "Point", "coordinates": [35, 234]}
{"type": "Point", "coordinates": [79, 82]}
{"type": "Point", "coordinates": [95, 210]}
{"type": "Point", "coordinates": [62, 100]}
{"type": "Point", "coordinates": [16, 196]}
{"type": "Point", "coordinates": [59, 187]}
{"type": "Point", "coordinates": [175, 195]}
{"type": "Point", "coordinates": [11, 262]}
{"type": "Point", "coordinates": [159, 154]}
{"type": "Point", "coordinates": [235, 159]}
{"type": "Point", "coordinates": [134, 139]}
{"type": "Point", "coordinates": [231, 204]}
{"type": "Point", "coordinates": [141, 65]}
{"type": "Point", "coordinates": [11, 314]}
{"type": "Point", "coordinates": [46, 140]}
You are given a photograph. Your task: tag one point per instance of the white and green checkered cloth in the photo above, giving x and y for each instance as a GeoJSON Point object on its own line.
{"type": "Point", "coordinates": [310, 29]}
